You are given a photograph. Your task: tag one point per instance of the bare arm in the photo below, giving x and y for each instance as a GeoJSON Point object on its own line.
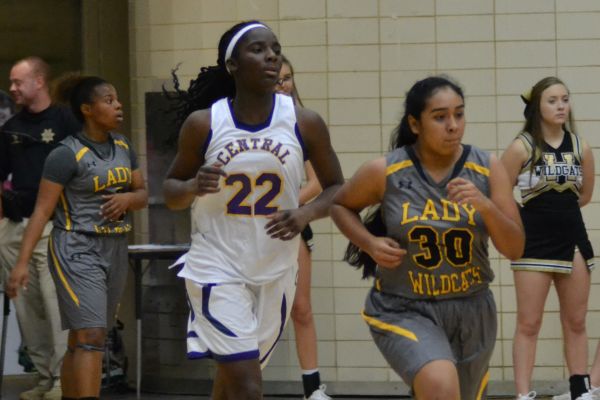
{"type": "Point", "coordinates": [365, 189]}
{"type": "Point", "coordinates": [286, 224]}
{"type": "Point", "coordinates": [587, 166]}
{"type": "Point", "coordinates": [499, 212]}
{"type": "Point", "coordinates": [323, 160]}
{"type": "Point", "coordinates": [513, 159]}
{"type": "Point", "coordinates": [312, 187]}
{"type": "Point", "coordinates": [48, 195]}
{"type": "Point", "coordinates": [187, 177]}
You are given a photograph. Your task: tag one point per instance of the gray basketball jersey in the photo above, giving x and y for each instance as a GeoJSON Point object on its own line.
{"type": "Point", "coordinates": [447, 243]}
{"type": "Point", "coordinates": [79, 205]}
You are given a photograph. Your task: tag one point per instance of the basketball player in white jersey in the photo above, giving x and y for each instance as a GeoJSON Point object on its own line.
{"type": "Point", "coordinates": [239, 166]}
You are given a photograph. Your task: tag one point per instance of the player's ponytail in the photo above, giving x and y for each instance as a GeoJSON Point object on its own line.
{"type": "Point", "coordinates": [359, 258]}
{"type": "Point", "coordinates": [75, 90]}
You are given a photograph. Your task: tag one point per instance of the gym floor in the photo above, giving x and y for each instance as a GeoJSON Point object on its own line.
{"type": "Point", "coordinates": [13, 385]}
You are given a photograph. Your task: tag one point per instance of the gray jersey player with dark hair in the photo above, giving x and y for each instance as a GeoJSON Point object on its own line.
{"type": "Point", "coordinates": [90, 183]}
{"type": "Point", "coordinates": [430, 311]}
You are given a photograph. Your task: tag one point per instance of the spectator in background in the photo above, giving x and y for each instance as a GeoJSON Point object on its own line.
{"type": "Point", "coordinates": [25, 141]}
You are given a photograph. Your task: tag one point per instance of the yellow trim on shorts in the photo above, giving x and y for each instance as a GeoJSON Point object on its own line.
{"type": "Point", "coordinates": [398, 166]}
{"type": "Point", "coordinates": [483, 385]}
{"type": "Point", "coordinates": [63, 201]}
{"type": "Point", "coordinates": [477, 168]}
{"type": "Point", "coordinates": [122, 144]}
{"type": "Point", "coordinates": [60, 273]}
{"type": "Point", "coordinates": [388, 327]}
{"type": "Point", "coordinates": [81, 153]}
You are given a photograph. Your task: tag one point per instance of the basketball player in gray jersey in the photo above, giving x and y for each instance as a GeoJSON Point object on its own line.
{"type": "Point", "coordinates": [430, 310]}
{"type": "Point", "coordinates": [417, 212]}
{"type": "Point", "coordinates": [90, 183]}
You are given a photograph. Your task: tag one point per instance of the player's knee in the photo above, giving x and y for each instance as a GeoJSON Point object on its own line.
{"type": "Point", "coordinates": [529, 327]}
{"type": "Point", "coordinates": [302, 313]}
{"type": "Point", "coordinates": [92, 339]}
{"type": "Point", "coordinates": [574, 324]}
{"type": "Point", "coordinates": [439, 389]}
{"type": "Point", "coordinates": [247, 389]}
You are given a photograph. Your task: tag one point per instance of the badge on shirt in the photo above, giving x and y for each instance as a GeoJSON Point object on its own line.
{"type": "Point", "coordinates": [48, 136]}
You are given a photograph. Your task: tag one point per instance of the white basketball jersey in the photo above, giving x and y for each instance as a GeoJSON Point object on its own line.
{"type": "Point", "coordinates": [264, 166]}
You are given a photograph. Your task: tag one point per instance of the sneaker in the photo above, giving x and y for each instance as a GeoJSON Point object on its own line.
{"type": "Point", "coordinates": [55, 393]}
{"type": "Point", "coordinates": [319, 394]}
{"type": "Point", "coordinates": [595, 392]}
{"type": "Point", "coordinates": [564, 396]}
{"type": "Point", "coordinates": [587, 396]}
{"type": "Point", "coordinates": [37, 393]}
{"type": "Point", "coordinates": [528, 396]}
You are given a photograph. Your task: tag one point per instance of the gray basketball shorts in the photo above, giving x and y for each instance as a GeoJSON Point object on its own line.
{"type": "Point", "coordinates": [411, 333]}
{"type": "Point", "coordinates": [89, 272]}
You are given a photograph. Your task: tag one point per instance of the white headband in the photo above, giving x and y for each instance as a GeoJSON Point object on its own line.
{"type": "Point", "coordinates": [236, 38]}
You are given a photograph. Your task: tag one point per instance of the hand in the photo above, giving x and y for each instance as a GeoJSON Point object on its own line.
{"type": "Point", "coordinates": [19, 278]}
{"type": "Point", "coordinates": [115, 206]}
{"type": "Point", "coordinates": [386, 252]}
{"type": "Point", "coordinates": [464, 191]}
{"type": "Point", "coordinates": [207, 179]}
{"type": "Point", "coordinates": [286, 224]}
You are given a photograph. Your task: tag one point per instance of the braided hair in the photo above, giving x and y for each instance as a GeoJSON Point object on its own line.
{"type": "Point", "coordinates": [211, 84]}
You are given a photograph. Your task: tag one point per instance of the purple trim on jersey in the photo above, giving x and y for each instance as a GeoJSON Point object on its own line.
{"type": "Point", "coordinates": [247, 355]}
{"type": "Point", "coordinates": [299, 137]}
{"type": "Point", "coordinates": [192, 334]}
{"type": "Point", "coordinates": [206, 312]}
{"type": "Point", "coordinates": [192, 313]}
{"type": "Point", "coordinates": [248, 127]}
{"type": "Point", "coordinates": [196, 355]}
{"type": "Point", "coordinates": [205, 145]}
{"type": "Point", "coordinates": [283, 314]}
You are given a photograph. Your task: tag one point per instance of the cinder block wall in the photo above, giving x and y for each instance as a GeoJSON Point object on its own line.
{"type": "Point", "coordinates": [355, 59]}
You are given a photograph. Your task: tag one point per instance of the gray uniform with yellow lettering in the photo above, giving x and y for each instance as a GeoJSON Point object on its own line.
{"type": "Point", "coordinates": [437, 304]}
{"type": "Point", "coordinates": [87, 253]}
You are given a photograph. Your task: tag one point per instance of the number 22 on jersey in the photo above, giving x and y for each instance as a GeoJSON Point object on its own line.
{"type": "Point", "coordinates": [265, 187]}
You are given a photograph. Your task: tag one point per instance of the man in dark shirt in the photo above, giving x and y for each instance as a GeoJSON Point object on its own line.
{"type": "Point", "coordinates": [25, 141]}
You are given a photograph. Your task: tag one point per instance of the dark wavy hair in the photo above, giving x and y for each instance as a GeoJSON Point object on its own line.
{"type": "Point", "coordinates": [211, 84]}
{"type": "Point", "coordinates": [402, 135]}
{"type": "Point", "coordinates": [74, 89]}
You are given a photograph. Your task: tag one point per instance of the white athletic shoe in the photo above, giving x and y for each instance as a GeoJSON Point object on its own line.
{"type": "Point", "coordinates": [587, 396]}
{"type": "Point", "coordinates": [319, 394]}
{"type": "Point", "coordinates": [564, 396]}
{"type": "Point", "coordinates": [595, 393]}
{"type": "Point", "coordinates": [528, 396]}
